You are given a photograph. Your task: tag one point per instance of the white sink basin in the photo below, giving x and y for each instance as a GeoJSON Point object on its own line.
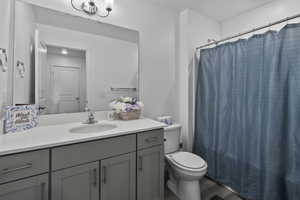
{"type": "Point", "coordinates": [95, 128]}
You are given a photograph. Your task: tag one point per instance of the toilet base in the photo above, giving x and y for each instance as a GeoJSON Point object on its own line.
{"type": "Point", "coordinates": [185, 189]}
{"type": "Point", "coordinates": [173, 187]}
{"type": "Point", "coordinates": [189, 190]}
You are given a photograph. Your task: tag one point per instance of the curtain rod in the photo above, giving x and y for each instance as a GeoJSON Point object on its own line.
{"type": "Point", "coordinates": [250, 31]}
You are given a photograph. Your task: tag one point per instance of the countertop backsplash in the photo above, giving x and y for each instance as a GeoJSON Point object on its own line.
{"type": "Point", "coordinates": [56, 119]}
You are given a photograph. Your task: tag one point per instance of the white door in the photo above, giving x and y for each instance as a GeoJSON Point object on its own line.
{"type": "Point", "coordinates": [65, 82]}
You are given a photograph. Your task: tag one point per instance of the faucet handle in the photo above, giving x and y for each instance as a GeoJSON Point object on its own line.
{"type": "Point", "coordinates": [87, 109]}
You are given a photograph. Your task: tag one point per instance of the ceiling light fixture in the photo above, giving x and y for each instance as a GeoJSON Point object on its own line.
{"type": "Point", "coordinates": [101, 8]}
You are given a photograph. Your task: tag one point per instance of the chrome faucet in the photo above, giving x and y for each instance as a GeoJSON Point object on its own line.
{"type": "Point", "coordinates": [91, 117]}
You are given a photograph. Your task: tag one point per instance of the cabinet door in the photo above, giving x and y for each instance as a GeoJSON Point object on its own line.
{"type": "Point", "coordinates": [118, 178]}
{"type": "Point", "coordinates": [35, 188]}
{"type": "Point", "coordinates": [150, 175]}
{"type": "Point", "coordinates": [76, 183]}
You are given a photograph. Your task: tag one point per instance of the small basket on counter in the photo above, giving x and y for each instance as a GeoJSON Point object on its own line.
{"type": "Point", "coordinates": [127, 108]}
{"type": "Point", "coordinates": [130, 115]}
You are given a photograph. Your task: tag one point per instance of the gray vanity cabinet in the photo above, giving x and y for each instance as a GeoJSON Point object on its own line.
{"type": "Point", "coordinates": [150, 173]}
{"type": "Point", "coordinates": [76, 183]}
{"type": "Point", "coordinates": [118, 178]}
{"type": "Point", "coordinates": [127, 167]}
{"type": "Point", "coordinates": [34, 188]}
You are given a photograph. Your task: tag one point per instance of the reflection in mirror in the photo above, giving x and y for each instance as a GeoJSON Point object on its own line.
{"type": "Point", "coordinates": [70, 63]}
{"type": "Point", "coordinates": [61, 79]}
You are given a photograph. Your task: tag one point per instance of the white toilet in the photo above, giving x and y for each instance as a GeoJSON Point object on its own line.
{"type": "Point", "coordinates": [185, 169]}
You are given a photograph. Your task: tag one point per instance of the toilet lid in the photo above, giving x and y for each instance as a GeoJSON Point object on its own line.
{"type": "Point", "coordinates": [188, 160]}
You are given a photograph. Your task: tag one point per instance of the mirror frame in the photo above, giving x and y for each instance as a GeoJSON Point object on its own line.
{"type": "Point", "coordinates": [12, 46]}
{"type": "Point", "coordinates": [11, 49]}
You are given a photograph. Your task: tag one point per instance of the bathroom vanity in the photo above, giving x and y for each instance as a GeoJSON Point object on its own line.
{"type": "Point", "coordinates": [63, 63]}
{"type": "Point", "coordinates": [51, 163]}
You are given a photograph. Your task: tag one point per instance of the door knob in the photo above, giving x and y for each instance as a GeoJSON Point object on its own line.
{"type": "Point", "coordinates": [42, 108]}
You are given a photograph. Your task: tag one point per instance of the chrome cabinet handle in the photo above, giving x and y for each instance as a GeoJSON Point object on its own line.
{"type": "Point", "coordinates": [104, 174]}
{"type": "Point", "coordinates": [152, 139]}
{"type": "Point", "coordinates": [141, 163]}
{"type": "Point", "coordinates": [7, 170]}
{"type": "Point", "coordinates": [95, 177]}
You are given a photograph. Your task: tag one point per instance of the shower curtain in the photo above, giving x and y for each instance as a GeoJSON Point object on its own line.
{"type": "Point", "coordinates": [248, 114]}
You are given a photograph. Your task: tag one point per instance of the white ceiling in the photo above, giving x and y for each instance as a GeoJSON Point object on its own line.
{"type": "Point", "coordinates": [217, 9]}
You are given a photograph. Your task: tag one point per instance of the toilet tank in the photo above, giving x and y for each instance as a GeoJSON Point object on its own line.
{"type": "Point", "coordinates": [172, 138]}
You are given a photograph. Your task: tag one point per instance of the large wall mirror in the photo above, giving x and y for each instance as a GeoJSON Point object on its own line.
{"type": "Point", "coordinates": [64, 63]}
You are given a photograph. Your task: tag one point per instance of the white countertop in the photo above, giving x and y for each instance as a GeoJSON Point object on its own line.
{"type": "Point", "coordinates": [58, 135]}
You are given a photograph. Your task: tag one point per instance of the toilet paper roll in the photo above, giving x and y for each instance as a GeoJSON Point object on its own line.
{"type": "Point", "coordinates": [165, 119]}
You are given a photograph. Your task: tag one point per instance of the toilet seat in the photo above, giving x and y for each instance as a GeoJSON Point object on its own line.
{"type": "Point", "coordinates": [187, 161]}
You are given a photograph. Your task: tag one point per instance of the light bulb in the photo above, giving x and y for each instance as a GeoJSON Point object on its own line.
{"type": "Point", "coordinates": [64, 51]}
{"type": "Point", "coordinates": [109, 5]}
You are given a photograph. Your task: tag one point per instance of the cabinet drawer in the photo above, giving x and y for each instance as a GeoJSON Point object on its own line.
{"type": "Point", "coordinates": [72, 155]}
{"type": "Point", "coordinates": [150, 138]}
{"type": "Point", "coordinates": [23, 165]}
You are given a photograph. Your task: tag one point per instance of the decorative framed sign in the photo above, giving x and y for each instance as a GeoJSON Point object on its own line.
{"type": "Point", "coordinates": [20, 118]}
